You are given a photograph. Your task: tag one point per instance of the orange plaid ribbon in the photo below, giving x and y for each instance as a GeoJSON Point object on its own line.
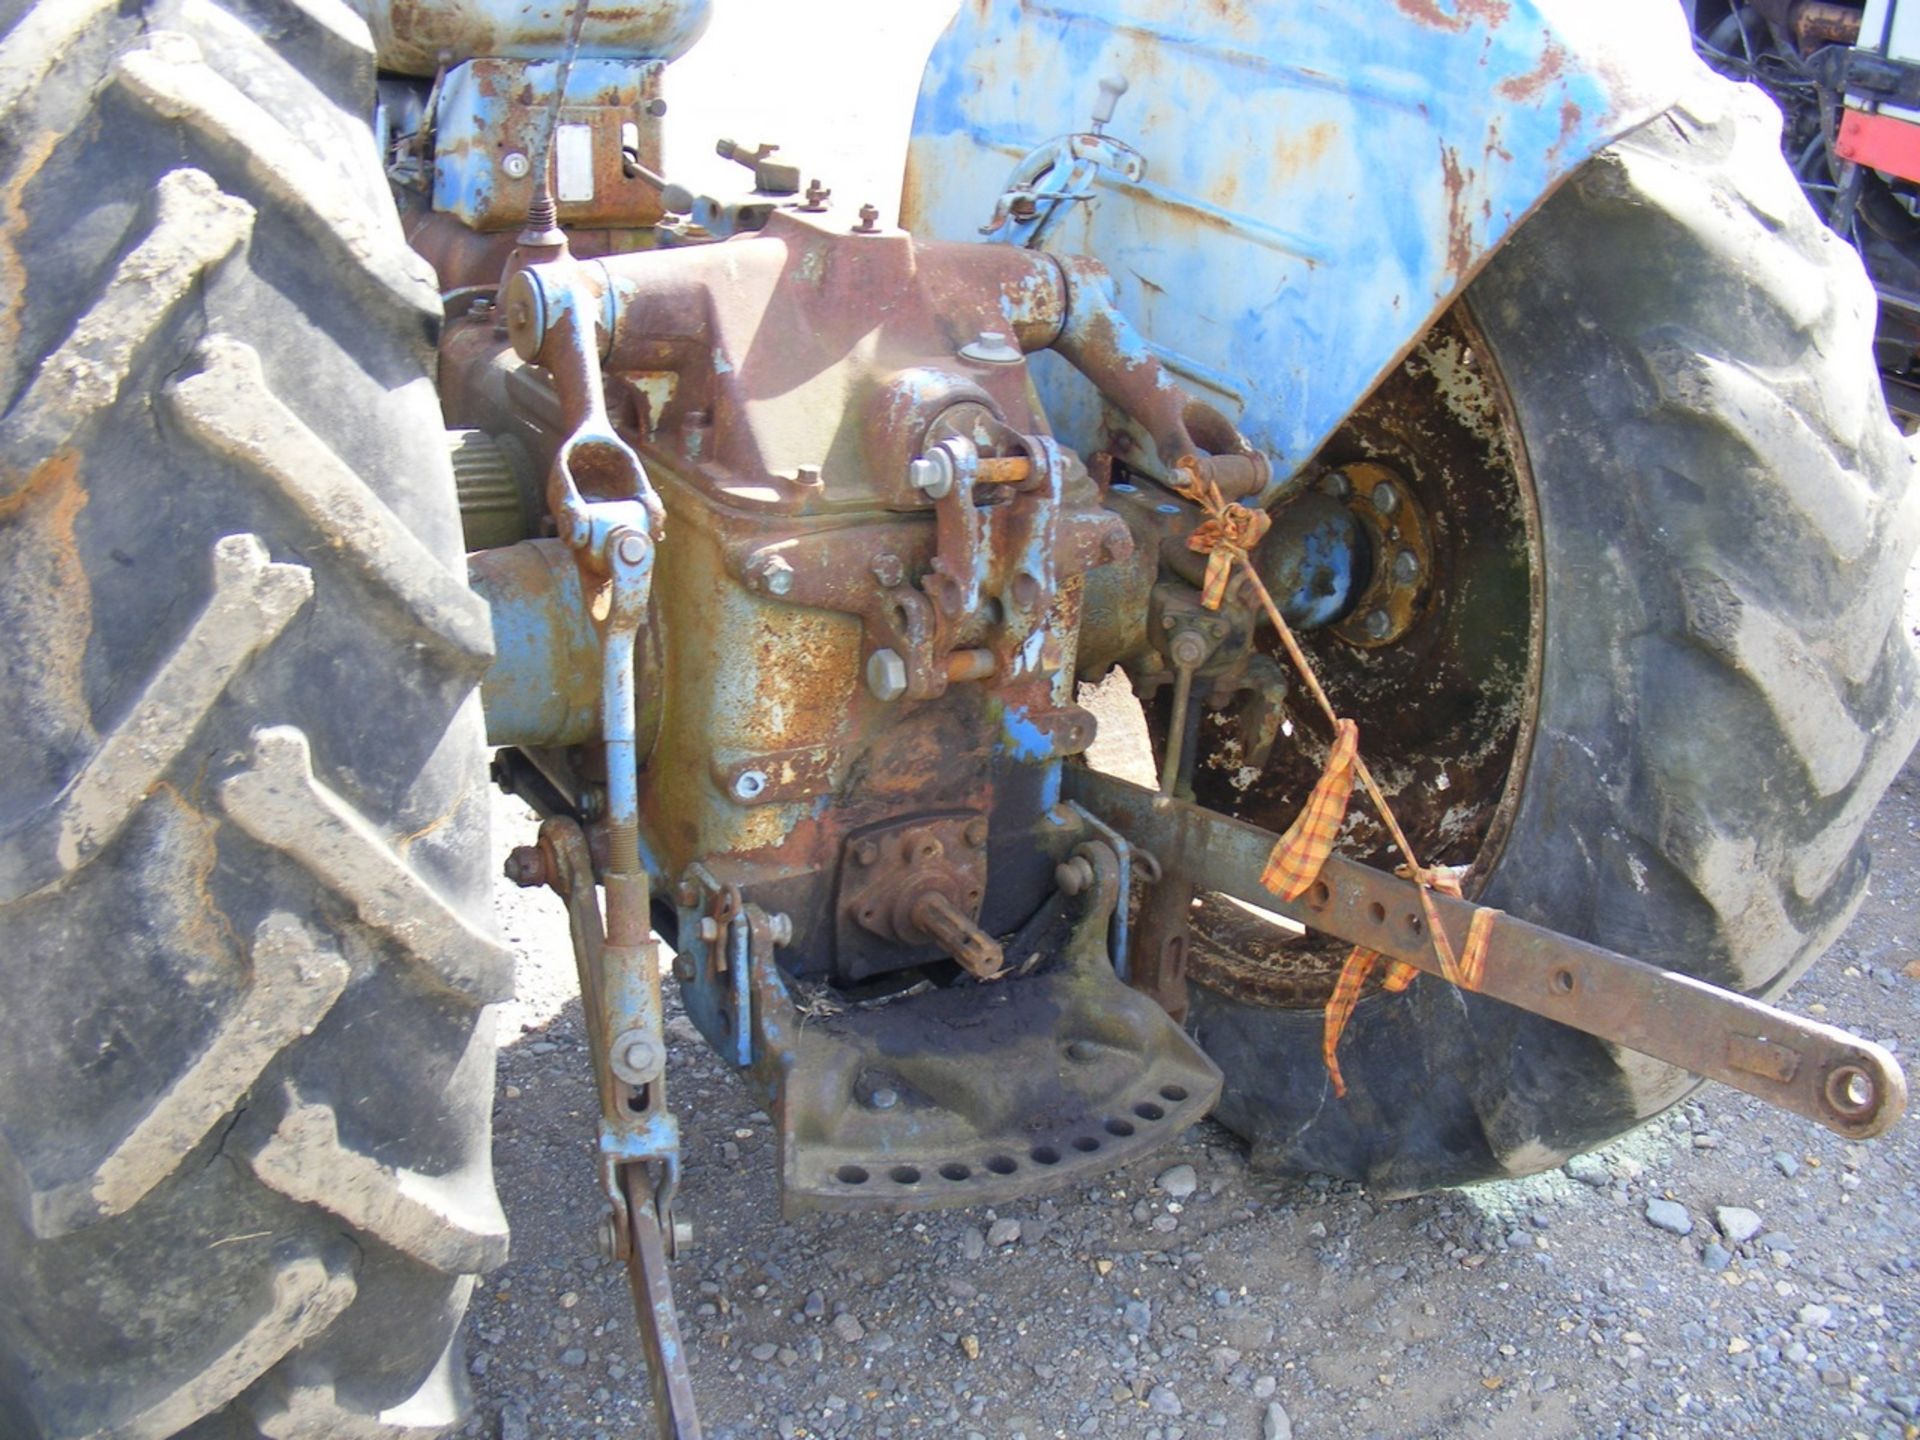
{"type": "Point", "coordinates": [1299, 855]}
{"type": "Point", "coordinates": [1465, 971]}
{"type": "Point", "coordinates": [1224, 537]}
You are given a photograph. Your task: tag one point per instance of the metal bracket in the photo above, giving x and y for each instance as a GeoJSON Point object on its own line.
{"type": "Point", "coordinates": [1061, 173]}
{"type": "Point", "coordinates": [1852, 1086]}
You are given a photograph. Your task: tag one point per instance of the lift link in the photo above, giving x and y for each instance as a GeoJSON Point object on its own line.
{"type": "Point", "coordinates": [1852, 1086]}
{"type": "Point", "coordinates": [639, 1136]}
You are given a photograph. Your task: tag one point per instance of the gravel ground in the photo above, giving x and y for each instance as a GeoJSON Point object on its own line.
{"type": "Point", "coordinates": [1726, 1270]}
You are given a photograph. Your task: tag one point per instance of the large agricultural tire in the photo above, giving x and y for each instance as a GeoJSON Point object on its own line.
{"type": "Point", "coordinates": [245, 1071]}
{"type": "Point", "coordinates": [1725, 518]}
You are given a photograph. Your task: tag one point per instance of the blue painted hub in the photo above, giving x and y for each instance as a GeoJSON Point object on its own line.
{"type": "Point", "coordinates": [1315, 561]}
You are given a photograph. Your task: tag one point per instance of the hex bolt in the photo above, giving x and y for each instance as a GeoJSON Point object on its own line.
{"type": "Point", "coordinates": [866, 852]}
{"type": "Point", "coordinates": [709, 929]}
{"type": "Point", "coordinates": [869, 220]}
{"type": "Point", "coordinates": [641, 1055]}
{"type": "Point", "coordinates": [808, 476]}
{"type": "Point", "coordinates": [1385, 498]}
{"type": "Point", "coordinates": [888, 569]}
{"type": "Point", "coordinates": [514, 165]}
{"type": "Point", "coordinates": [780, 929]}
{"type": "Point", "coordinates": [883, 1099]}
{"type": "Point", "coordinates": [817, 196]}
{"type": "Point", "coordinates": [589, 804]}
{"type": "Point", "coordinates": [1023, 207]}
{"type": "Point", "coordinates": [772, 573]}
{"type": "Point", "coordinates": [886, 675]}
{"type": "Point", "coordinates": [606, 1237]}
{"type": "Point", "coordinates": [1406, 567]}
{"type": "Point", "coordinates": [749, 784]}
{"type": "Point", "coordinates": [976, 831]}
{"type": "Point", "coordinates": [1073, 876]}
{"type": "Point", "coordinates": [1377, 624]}
{"type": "Point", "coordinates": [527, 866]}
{"type": "Point", "coordinates": [1336, 484]}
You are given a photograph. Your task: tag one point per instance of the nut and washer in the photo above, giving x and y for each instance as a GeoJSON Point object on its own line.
{"type": "Point", "coordinates": [515, 166]}
{"type": "Point", "coordinates": [749, 784]}
{"type": "Point", "coordinates": [636, 1057]}
{"type": "Point", "coordinates": [932, 474]}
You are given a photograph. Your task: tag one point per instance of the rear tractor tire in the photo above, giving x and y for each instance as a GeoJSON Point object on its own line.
{"type": "Point", "coordinates": [245, 1072]}
{"type": "Point", "coordinates": [1656, 709]}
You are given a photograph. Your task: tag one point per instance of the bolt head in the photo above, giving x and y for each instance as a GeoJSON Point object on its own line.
{"type": "Point", "coordinates": [931, 475]}
{"type": "Point", "coordinates": [1377, 624]}
{"type": "Point", "coordinates": [1386, 499]}
{"type": "Point", "coordinates": [1336, 484]}
{"type": "Point", "coordinates": [526, 866]}
{"type": "Point", "coordinates": [1188, 649]}
{"type": "Point", "coordinates": [709, 929]}
{"type": "Point", "coordinates": [636, 1057]}
{"type": "Point", "coordinates": [1082, 1050]}
{"type": "Point", "coordinates": [888, 569]}
{"type": "Point", "coordinates": [682, 968]}
{"type": "Point", "coordinates": [515, 166]}
{"type": "Point", "coordinates": [976, 831]}
{"type": "Point", "coordinates": [883, 1098]}
{"type": "Point", "coordinates": [780, 928]}
{"type": "Point", "coordinates": [682, 1236]}
{"type": "Point", "coordinates": [886, 675]}
{"type": "Point", "coordinates": [1406, 567]}
{"type": "Point", "coordinates": [866, 852]}
{"type": "Point", "coordinates": [749, 784]}
{"type": "Point", "coordinates": [1073, 876]}
{"type": "Point", "coordinates": [606, 1237]}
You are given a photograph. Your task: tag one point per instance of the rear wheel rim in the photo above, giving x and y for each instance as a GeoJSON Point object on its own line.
{"type": "Point", "coordinates": [1447, 708]}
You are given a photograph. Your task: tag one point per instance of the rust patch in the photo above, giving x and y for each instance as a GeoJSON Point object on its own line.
{"type": "Point", "coordinates": [1294, 154]}
{"type": "Point", "coordinates": [1460, 246]}
{"type": "Point", "coordinates": [1527, 87]}
{"type": "Point", "coordinates": [1464, 13]}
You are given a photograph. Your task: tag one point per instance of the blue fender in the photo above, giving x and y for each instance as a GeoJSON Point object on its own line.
{"type": "Point", "coordinates": [1321, 178]}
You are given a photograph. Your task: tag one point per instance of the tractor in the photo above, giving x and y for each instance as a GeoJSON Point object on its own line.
{"type": "Point", "coordinates": [1444, 428]}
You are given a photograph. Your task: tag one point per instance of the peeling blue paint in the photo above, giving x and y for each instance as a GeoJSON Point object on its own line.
{"type": "Point", "coordinates": [1320, 180]}
{"type": "Point", "coordinates": [1024, 740]}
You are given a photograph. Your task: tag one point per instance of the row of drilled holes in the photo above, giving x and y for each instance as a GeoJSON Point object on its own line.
{"type": "Point", "coordinates": [1005, 1164]}
{"type": "Point", "coordinates": [1562, 980]}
